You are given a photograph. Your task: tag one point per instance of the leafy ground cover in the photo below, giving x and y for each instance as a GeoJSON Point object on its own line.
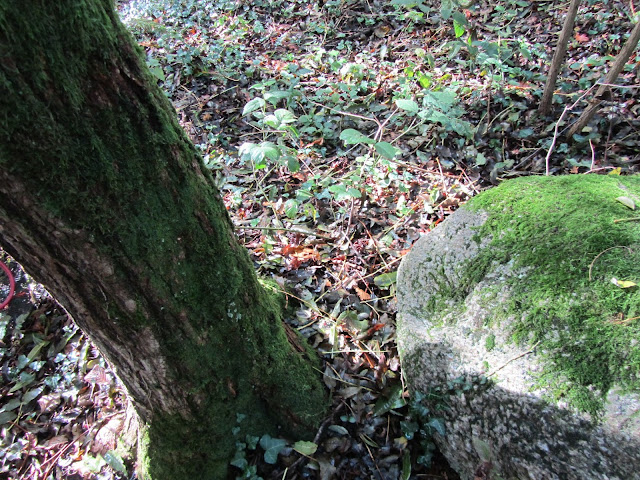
{"type": "Point", "coordinates": [339, 132]}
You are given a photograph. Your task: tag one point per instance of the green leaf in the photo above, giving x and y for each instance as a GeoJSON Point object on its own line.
{"type": "Point", "coordinates": [386, 279]}
{"type": "Point", "coordinates": [7, 417]}
{"type": "Point", "coordinates": [277, 95]}
{"type": "Point", "coordinates": [91, 463]}
{"type": "Point", "coordinates": [340, 192]}
{"type": "Point", "coordinates": [32, 394]}
{"type": "Point", "coordinates": [482, 448]}
{"type": "Point", "coordinates": [305, 448]}
{"type": "Point", "coordinates": [424, 80]}
{"type": "Point", "coordinates": [409, 429]}
{"type": "Point", "coordinates": [272, 447]}
{"type": "Point", "coordinates": [158, 73]}
{"type": "Point", "coordinates": [443, 100]}
{"type": "Point", "coordinates": [406, 466]}
{"type": "Point", "coordinates": [460, 18]}
{"type": "Point", "coordinates": [271, 121]}
{"type": "Point", "coordinates": [408, 105]}
{"type": "Point", "coordinates": [446, 7]}
{"type": "Point", "coordinates": [115, 461]}
{"type": "Point", "coordinates": [351, 319]}
{"type": "Point", "coordinates": [351, 136]}
{"type": "Point", "coordinates": [438, 425]}
{"type": "Point", "coordinates": [293, 164]}
{"type": "Point", "coordinates": [284, 116]}
{"type": "Point", "coordinates": [239, 461]}
{"type": "Point", "coordinates": [387, 150]}
{"type": "Point", "coordinates": [36, 349]}
{"type": "Point", "coordinates": [25, 379]}
{"type": "Point", "coordinates": [395, 400]}
{"type": "Point", "coordinates": [339, 429]}
{"type": "Point", "coordinates": [11, 405]}
{"type": "Point", "coordinates": [291, 208]}
{"type": "Point", "coordinates": [253, 105]}
{"type": "Point", "coordinates": [458, 29]}
{"type": "Point", "coordinates": [257, 153]}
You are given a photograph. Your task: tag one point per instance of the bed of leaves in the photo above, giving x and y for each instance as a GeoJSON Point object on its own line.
{"type": "Point", "coordinates": [339, 132]}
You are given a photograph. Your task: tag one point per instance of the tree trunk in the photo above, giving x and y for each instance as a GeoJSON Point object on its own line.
{"type": "Point", "coordinates": [106, 202]}
{"type": "Point", "coordinates": [617, 67]}
{"type": "Point", "coordinates": [558, 58]}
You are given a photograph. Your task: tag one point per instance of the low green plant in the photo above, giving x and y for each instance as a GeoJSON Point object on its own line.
{"type": "Point", "coordinates": [422, 424]}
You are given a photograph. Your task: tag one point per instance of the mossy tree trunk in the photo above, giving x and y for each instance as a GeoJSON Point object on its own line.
{"type": "Point", "coordinates": [105, 201]}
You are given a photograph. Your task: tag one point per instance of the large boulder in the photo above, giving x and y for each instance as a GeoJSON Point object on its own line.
{"type": "Point", "coordinates": [519, 321]}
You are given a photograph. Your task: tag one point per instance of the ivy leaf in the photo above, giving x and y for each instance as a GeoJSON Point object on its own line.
{"type": "Point", "coordinates": [387, 150]}
{"type": "Point", "coordinates": [351, 136]}
{"type": "Point", "coordinates": [272, 447]}
{"type": "Point", "coordinates": [305, 448]}
{"type": "Point", "coordinates": [393, 401]}
{"type": "Point", "coordinates": [438, 425]}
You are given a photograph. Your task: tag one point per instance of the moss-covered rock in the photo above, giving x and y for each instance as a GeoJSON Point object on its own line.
{"type": "Point", "coordinates": [520, 311]}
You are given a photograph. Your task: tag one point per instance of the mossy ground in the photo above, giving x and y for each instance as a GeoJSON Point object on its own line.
{"type": "Point", "coordinates": [564, 230]}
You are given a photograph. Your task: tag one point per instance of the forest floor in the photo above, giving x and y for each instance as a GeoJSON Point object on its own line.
{"type": "Point", "coordinates": [338, 132]}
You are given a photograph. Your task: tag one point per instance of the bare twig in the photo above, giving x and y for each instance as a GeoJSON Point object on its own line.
{"type": "Point", "coordinates": [512, 359]}
{"type": "Point", "coordinates": [283, 229]}
{"type": "Point", "coordinates": [555, 130]}
{"type": "Point", "coordinates": [605, 251]}
{"type": "Point", "coordinates": [631, 219]}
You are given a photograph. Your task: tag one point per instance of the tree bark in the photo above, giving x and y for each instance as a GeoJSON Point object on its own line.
{"type": "Point", "coordinates": [558, 58]}
{"type": "Point", "coordinates": [617, 67]}
{"type": "Point", "coordinates": [105, 201]}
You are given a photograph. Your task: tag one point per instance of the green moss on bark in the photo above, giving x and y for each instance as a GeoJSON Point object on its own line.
{"type": "Point", "coordinates": [97, 145]}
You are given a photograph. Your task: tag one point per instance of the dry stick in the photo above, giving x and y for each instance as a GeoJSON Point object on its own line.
{"type": "Point", "coordinates": [632, 219]}
{"type": "Point", "coordinates": [558, 57]}
{"type": "Point", "coordinates": [512, 359]}
{"type": "Point", "coordinates": [626, 320]}
{"type": "Point", "coordinates": [348, 114]}
{"type": "Point", "coordinates": [283, 229]}
{"type": "Point", "coordinates": [618, 65]}
{"type": "Point", "coordinates": [605, 251]}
